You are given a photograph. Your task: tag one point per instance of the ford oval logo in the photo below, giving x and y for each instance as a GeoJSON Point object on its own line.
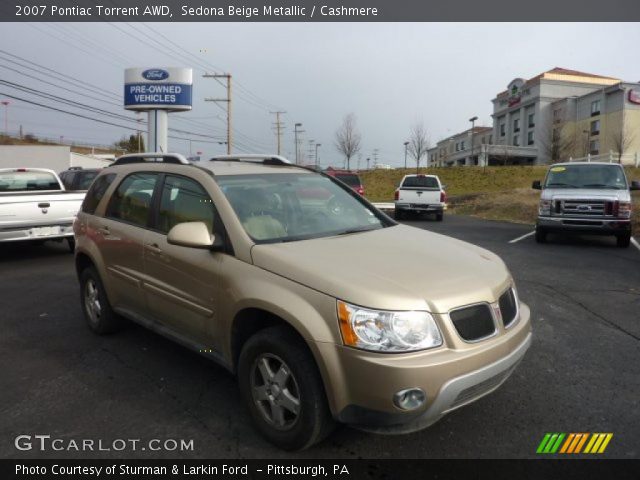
{"type": "Point", "coordinates": [155, 74]}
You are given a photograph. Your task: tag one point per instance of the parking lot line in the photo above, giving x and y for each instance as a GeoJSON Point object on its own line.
{"type": "Point", "coordinates": [635, 243]}
{"type": "Point", "coordinates": [522, 237]}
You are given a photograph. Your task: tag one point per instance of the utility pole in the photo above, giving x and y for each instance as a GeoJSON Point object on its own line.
{"type": "Point", "coordinates": [295, 134]}
{"type": "Point", "coordinates": [227, 77]}
{"type": "Point", "coordinates": [311, 147]}
{"type": "Point", "coordinates": [473, 121]}
{"type": "Point", "coordinates": [375, 157]}
{"type": "Point", "coordinates": [279, 128]}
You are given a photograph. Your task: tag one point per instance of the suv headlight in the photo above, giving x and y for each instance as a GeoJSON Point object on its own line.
{"type": "Point", "coordinates": [387, 331]}
{"type": "Point", "coordinates": [544, 208]}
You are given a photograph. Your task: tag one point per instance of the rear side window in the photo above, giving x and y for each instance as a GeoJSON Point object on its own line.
{"type": "Point", "coordinates": [67, 179]}
{"type": "Point", "coordinates": [96, 192]}
{"type": "Point", "coordinates": [131, 201]}
{"type": "Point", "coordinates": [85, 179]}
{"type": "Point", "coordinates": [420, 182]}
{"type": "Point", "coordinates": [184, 200]}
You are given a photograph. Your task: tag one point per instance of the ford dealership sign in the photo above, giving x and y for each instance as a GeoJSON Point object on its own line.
{"type": "Point", "coordinates": [158, 89]}
{"type": "Point", "coordinates": [155, 74]}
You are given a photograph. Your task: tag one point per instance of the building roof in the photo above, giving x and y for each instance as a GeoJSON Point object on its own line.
{"type": "Point", "coordinates": [564, 74]}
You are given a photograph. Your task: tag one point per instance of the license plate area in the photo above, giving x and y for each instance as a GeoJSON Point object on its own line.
{"type": "Point", "coordinates": [45, 231]}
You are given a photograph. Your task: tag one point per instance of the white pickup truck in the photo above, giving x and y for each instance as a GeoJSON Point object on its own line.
{"type": "Point", "coordinates": [34, 206]}
{"type": "Point", "coordinates": [420, 194]}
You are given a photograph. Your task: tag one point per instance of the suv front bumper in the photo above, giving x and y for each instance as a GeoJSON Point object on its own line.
{"type": "Point", "coordinates": [450, 377]}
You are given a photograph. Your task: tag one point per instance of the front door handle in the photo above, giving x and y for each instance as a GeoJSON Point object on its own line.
{"type": "Point", "coordinates": [153, 247]}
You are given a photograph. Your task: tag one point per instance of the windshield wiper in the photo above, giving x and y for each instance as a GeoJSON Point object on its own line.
{"type": "Point", "coordinates": [602, 185]}
{"type": "Point", "coordinates": [560, 184]}
{"type": "Point", "coordinates": [358, 230]}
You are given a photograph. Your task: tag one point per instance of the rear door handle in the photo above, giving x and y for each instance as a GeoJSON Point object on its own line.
{"type": "Point", "coordinates": [153, 247]}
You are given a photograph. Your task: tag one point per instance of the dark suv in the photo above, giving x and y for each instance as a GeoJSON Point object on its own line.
{"type": "Point", "coordinates": [78, 178]}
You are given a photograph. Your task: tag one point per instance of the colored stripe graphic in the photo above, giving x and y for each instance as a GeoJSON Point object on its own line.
{"type": "Point", "coordinates": [573, 443]}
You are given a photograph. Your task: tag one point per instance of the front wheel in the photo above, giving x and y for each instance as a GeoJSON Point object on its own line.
{"type": "Point", "coordinates": [282, 388]}
{"type": "Point", "coordinates": [398, 214]}
{"type": "Point", "coordinates": [71, 243]}
{"type": "Point", "coordinates": [623, 241]}
{"type": "Point", "coordinates": [541, 235]}
{"type": "Point", "coordinates": [439, 217]}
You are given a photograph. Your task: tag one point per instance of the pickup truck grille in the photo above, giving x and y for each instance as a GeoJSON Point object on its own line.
{"type": "Point", "coordinates": [588, 208]}
{"type": "Point", "coordinates": [473, 323]}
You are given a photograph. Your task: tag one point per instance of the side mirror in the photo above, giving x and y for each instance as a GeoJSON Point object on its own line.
{"type": "Point", "coordinates": [191, 234]}
{"type": "Point", "coordinates": [635, 185]}
{"type": "Point", "coordinates": [536, 185]}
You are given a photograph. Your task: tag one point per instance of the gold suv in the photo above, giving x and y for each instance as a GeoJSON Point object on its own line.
{"type": "Point", "coordinates": [324, 308]}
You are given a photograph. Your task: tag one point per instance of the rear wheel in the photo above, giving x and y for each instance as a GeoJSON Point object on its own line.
{"type": "Point", "coordinates": [623, 241]}
{"type": "Point", "coordinates": [96, 308]}
{"type": "Point", "coordinates": [398, 214]}
{"type": "Point", "coordinates": [541, 235]}
{"type": "Point", "coordinates": [439, 217]}
{"type": "Point", "coordinates": [283, 390]}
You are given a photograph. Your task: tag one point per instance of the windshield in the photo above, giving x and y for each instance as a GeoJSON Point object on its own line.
{"type": "Point", "coordinates": [586, 176]}
{"type": "Point", "coordinates": [283, 207]}
{"type": "Point", "coordinates": [420, 181]}
{"type": "Point", "coordinates": [350, 179]}
{"type": "Point", "coordinates": [27, 181]}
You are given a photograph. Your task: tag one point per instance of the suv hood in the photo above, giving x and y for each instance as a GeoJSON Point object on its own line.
{"type": "Point", "coordinates": [398, 267]}
{"type": "Point", "coordinates": [585, 193]}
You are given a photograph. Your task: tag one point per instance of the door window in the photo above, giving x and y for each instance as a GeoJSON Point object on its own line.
{"type": "Point", "coordinates": [184, 200]}
{"type": "Point", "coordinates": [132, 200]}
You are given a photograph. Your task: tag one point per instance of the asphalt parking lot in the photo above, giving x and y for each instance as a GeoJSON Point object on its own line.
{"type": "Point", "coordinates": [580, 375]}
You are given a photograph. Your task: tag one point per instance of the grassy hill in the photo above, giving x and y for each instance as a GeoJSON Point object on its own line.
{"type": "Point", "coordinates": [495, 193]}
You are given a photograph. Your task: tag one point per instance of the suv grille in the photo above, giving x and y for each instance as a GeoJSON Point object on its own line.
{"type": "Point", "coordinates": [508, 307]}
{"type": "Point", "coordinates": [473, 323]}
{"type": "Point", "coordinates": [595, 208]}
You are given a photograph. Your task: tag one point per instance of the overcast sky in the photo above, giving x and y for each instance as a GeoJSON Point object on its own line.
{"type": "Point", "coordinates": [390, 75]}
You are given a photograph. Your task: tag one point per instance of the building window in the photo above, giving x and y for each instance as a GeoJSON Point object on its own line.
{"type": "Point", "coordinates": [594, 147]}
{"type": "Point", "coordinates": [457, 147]}
{"type": "Point", "coordinates": [595, 127]}
{"type": "Point", "coordinates": [502, 130]}
{"type": "Point", "coordinates": [516, 140]}
{"type": "Point", "coordinates": [530, 138]}
{"type": "Point", "coordinates": [462, 146]}
{"type": "Point", "coordinates": [531, 120]}
{"type": "Point", "coordinates": [516, 125]}
{"type": "Point", "coordinates": [595, 107]}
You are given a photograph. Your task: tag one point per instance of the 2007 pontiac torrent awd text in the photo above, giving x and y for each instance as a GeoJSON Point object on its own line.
{"type": "Point", "coordinates": [325, 308]}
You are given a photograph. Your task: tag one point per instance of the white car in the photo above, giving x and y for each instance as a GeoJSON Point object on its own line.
{"type": "Point", "coordinates": [34, 206]}
{"type": "Point", "coordinates": [420, 194]}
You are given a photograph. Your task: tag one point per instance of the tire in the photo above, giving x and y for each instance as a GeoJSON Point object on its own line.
{"type": "Point", "coordinates": [398, 214]}
{"type": "Point", "coordinates": [541, 235]}
{"type": "Point", "coordinates": [95, 306]}
{"type": "Point", "coordinates": [439, 217]}
{"type": "Point", "coordinates": [71, 243]}
{"type": "Point", "coordinates": [623, 241]}
{"type": "Point", "coordinates": [263, 359]}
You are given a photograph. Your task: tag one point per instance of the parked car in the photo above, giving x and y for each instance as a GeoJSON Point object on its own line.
{"type": "Point", "coordinates": [78, 178]}
{"type": "Point", "coordinates": [420, 194]}
{"type": "Point", "coordinates": [34, 206]}
{"type": "Point", "coordinates": [585, 197]}
{"type": "Point", "coordinates": [350, 178]}
{"type": "Point", "coordinates": [325, 308]}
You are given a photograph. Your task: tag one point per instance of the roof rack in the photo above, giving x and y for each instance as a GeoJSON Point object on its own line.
{"type": "Point", "coordinates": [253, 158]}
{"type": "Point", "coordinates": [151, 157]}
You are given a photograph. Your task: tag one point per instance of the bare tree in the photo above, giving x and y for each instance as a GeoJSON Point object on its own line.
{"type": "Point", "coordinates": [418, 143]}
{"type": "Point", "coordinates": [557, 142]}
{"type": "Point", "coordinates": [348, 138]}
{"type": "Point", "coordinates": [621, 139]}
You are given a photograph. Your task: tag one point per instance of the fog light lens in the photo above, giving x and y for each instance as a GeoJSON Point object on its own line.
{"type": "Point", "coordinates": [410, 399]}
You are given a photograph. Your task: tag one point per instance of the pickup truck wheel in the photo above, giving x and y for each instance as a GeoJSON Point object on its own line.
{"type": "Point", "coordinates": [71, 243]}
{"type": "Point", "coordinates": [95, 305]}
{"type": "Point", "coordinates": [280, 384]}
{"type": "Point", "coordinates": [439, 217]}
{"type": "Point", "coordinates": [541, 235]}
{"type": "Point", "coordinates": [623, 241]}
{"type": "Point", "coordinates": [398, 214]}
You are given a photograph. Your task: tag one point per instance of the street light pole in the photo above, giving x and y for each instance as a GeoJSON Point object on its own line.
{"type": "Point", "coordinates": [295, 134]}
{"type": "Point", "coordinates": [406, 144]}
{"type": "Point", "coordinates": [473, 121]}
{"type": "Point", "coordinates": [6, 116]}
